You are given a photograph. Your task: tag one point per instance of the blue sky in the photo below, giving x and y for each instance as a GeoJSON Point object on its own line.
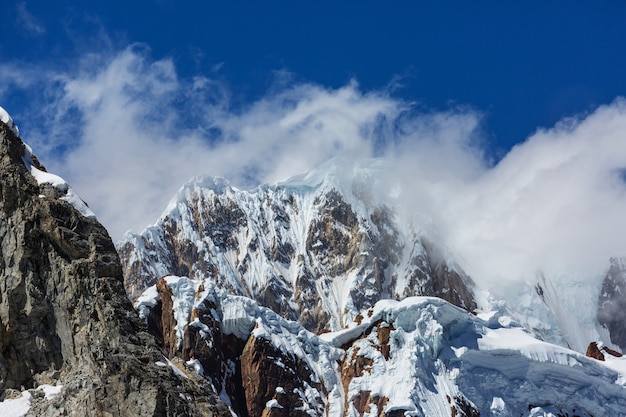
{"type": "Point", "coordinates": [525, 65]}
{"type": "Point", "coordinates": [127, 100]}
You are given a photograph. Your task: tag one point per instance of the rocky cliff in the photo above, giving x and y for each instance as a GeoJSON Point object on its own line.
{"type": "Point", "coordinates": [65, 320]}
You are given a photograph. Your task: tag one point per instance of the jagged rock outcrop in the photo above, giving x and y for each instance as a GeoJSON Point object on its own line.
{"type": "Point", "coordinates": [64, 315]}
{"type": "Point", "coordinates": [317, 252]}
{"type": "Point", "coordinates": [219, 337]}
{"type": "Point", "coordinates": [612, 302]}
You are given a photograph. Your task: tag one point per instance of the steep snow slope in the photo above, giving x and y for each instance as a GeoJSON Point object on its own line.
{"type": "Point", "coordinates": [421, 356]}
{"type": "Point", "coordinates": [317, 248]}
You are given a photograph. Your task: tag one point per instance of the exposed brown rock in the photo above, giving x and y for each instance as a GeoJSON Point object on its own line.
{"type": "Point", "coordinates": [364, 402]}
{"type": "Point", "coordinates": [383, 333]}
{"type": "Point", "coordinates": [594, 352]}
{"type": "Point", "coordinates": [268, 374]}
{"type": "Point", "coordinates": [168, 322]}
{"type": "Point", "coordinates": [354, 365]}
{"type": "Point", "coordinates": [611, 352]}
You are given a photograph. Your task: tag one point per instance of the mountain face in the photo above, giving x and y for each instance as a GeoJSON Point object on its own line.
{"type": "Point", "coordinates": [421, 356]}
{"type": "Point", "coordinates": [312, 249]}
{"type": "Point", "coordinates": [313, 297]}
{"type": "Point", "coordinates": [70, 342]}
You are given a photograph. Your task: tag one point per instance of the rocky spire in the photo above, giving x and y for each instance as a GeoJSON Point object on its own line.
{"type": "Point", "coordinates": [64, 315]}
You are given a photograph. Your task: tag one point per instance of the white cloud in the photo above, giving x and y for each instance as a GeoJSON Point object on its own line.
{"type": "Point", "coordinates": [556, 202]}
{"type": "Point", "coordinates": [131, 133]}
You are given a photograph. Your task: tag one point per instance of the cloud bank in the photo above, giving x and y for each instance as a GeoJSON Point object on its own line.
{"type": "Point", "coordinates": [128, 131]}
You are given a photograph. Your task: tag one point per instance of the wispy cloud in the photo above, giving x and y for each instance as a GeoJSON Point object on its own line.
{"type": "Point", "coordinates": [127, 135]}
{"type": "Point", "coordinates": [27, 21]}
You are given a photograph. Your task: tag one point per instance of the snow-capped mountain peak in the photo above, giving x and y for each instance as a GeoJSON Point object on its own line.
{"type": "Point", "coordinates": [318, 248]}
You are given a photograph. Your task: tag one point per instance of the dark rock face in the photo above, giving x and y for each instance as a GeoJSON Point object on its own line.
{"type": "Point", "coordinates": [612, 302]}
{"type": "Point", "coordinates": [64, 315]}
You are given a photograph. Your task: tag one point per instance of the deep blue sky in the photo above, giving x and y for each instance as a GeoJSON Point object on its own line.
{"type": "Point", "coordinates": [524, 64]}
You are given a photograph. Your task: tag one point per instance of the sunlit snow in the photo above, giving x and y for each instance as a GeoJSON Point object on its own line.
{"type": "Point", "coordinates": [437, 351]}
{"type": "Point", "coordinates": [6, 118]}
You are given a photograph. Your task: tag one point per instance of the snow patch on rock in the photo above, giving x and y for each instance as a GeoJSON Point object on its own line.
{"type": "Point", "coordinates": [6, 118]}
{"type": "Point", "coordinates": [57, 182]}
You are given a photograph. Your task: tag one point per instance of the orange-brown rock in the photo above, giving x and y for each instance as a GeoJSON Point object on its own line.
{"type": "Point", "coordinates": [611, 352]}
{"type": "Point", "coordinates": [168, 322]}
{"type": "Point", "coordinates": [269, 374]}
{"type": "Point", "coordinates": [593, 351]}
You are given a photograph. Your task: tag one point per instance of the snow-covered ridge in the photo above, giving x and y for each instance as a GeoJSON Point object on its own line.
{"type": "Point", "coordinates": [422, 356]}
{"type": "Point", "coordinates": [43, 177]}
{"type": "Point", "coordinates": [6, 118]}
{"type": "Point", "coordinates": [243, 318]}
{"type": "Point", "coordinates": [57, 182]}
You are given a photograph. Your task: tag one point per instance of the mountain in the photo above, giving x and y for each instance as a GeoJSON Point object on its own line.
{"type": "Point", "coordinates": [318, 248]}
{"type": "Point", "coordinates": [322, 299]}
{"type": "Point", "coordinates": [315, 296]}
{"type": "Point", "coordinates": [421, 356]}
{"type": "Point", "coordinates": [70, 342]}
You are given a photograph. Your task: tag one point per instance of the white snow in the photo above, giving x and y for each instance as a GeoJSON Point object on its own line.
{"type": "Point", "coordinates": [498, 407]}
{"type": "Point", "coordinates": [6, 118]}
{"type": "Point", "coordinates": [273, 404]}
{"type": "Point", "coordinates": [57, 182]}
{"type": "Point", "coordinates": [50, 391]}
{"type": "Point", "coordinates": [147, 301]}
{"type": "Point", "coordinates": [183, 298]}
{"type": "Point", "coordinates": [173, 367]}
{"type": "Point", "coordinates": [18, 407]}
{"type": "Point", "coordinates": [196, 366]}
